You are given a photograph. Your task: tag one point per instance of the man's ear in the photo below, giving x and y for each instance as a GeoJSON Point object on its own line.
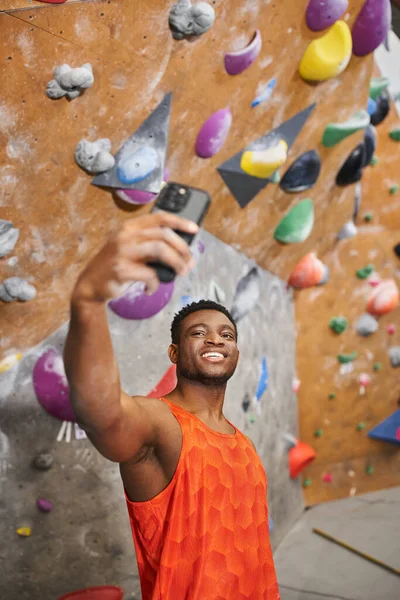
{"type": "Point", "coordinates": [173, 353]}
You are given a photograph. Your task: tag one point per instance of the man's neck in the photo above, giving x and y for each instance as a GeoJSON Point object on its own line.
{"type": "Point", "coordinates": [199, 399]}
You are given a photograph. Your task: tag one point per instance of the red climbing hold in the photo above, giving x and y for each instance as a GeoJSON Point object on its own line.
{"type": "Point", "coordinates": [165, 385]}
{"type": "Point", "coordinates": [53, 1]}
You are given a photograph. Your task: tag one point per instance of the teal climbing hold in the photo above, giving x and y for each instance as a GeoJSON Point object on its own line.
{"type": "Point", "coordinates": [338, 324]}
{"type": "Point", "coordinates": [395, 134]}
{"type": "Point", "coordinates": [307, 482]}
{"type": "Point", "coordinates": [368, 217]}
{"type": "Point", "coordinates": [378, 366]}
{"type": "Point", "coordinates": [332, 396]}
{"type": "Point", "coordinates": [365, 272]}
{"type": "Point", "coordinates": [297, 225]}
{"type": "Point", "coordinates": [374, 161]}
{"type": "Point", "coordinates": [336, 132]}
{"type": "Point", "coordinates": [377, 86]}
{"type": "Point", "coordinates": [361, 426]}
{"type": "Point", "coordinates": [347, 358]}
{"type": "Point", "coordinates": [275, 177]}
{"type": "Point", "coordinates": [318, 433]}
{"type": "Point", "coordinates": [394, 189]}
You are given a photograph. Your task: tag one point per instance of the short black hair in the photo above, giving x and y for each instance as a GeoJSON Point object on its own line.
{"type": "Point", "coordinates": [195, 307]}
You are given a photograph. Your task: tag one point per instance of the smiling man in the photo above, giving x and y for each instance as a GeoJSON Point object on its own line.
{"type": "Point", "coordinates": [195, 487]}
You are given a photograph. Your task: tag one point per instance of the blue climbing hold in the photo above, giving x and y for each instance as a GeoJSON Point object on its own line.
{"type": "Point", "coordinates": [137, 166]}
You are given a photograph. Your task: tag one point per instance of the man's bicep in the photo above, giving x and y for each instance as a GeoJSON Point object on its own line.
{"type": "Point", "coordinates": [134, 428]}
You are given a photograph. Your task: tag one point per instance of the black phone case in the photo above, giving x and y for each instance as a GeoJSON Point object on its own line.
{"type": "Point", "coordinates": [187, 202]}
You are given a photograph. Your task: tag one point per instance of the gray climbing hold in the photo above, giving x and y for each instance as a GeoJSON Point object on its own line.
{"type": "Point", "coordinates": [15, 288]}
{"type": "Point", "coordinates": [8, 237]}
{"type": "Point", "coordinates": [43, 461]}
{"type": "Point", "coordinates": [94, 157]}
{"type": "Point", "coordinates": [366, 325]}
{"type": "Point", "coordinates": [186, 20]}
{"type": "Point", "coordinates": [394, 355]}
{"type": "Point", "coordinates": [70, 81]}
{"type": "Point", "coordinates": [348, 230]}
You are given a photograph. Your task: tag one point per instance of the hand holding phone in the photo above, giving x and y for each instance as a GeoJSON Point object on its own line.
{"type": "Point", "coordinates": [184, 201]}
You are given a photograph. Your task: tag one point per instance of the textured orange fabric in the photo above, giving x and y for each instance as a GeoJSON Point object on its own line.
{"type": "Point", "coordinates": [206, 535]}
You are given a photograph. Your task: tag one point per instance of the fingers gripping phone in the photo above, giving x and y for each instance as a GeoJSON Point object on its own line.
{"type": "Point", "coordinates": [187, 202]}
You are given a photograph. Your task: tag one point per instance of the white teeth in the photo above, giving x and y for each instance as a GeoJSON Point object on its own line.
{"type": "Point", "coordinates": [213, 354]}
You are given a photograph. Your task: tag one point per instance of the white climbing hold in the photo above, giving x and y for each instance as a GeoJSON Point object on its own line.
{"type": "Point", "coordinates": [69, 81]}
{"type": "Point", "coordinates": [94, 157]}
{"type": "Point", "coordinates": [15, 288]}
{"type": "Point", "coordinates": [348, 231]}
{"type": "Point", "coordinates": [187, 20]}
{"type": "Point", "coordinates": [8, 237]}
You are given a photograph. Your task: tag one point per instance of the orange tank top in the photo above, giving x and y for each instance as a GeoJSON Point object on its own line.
{"type": "Point", "coordinates": [206, 535]}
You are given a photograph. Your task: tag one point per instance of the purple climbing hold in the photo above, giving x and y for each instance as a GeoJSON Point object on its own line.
{"type": "Point", "coordinates": [44, 505]}
{"type": "Point", "coordinates": [239, 60]}
{"type": "Point", "coordinates": [321, 14]}
{"type": "Point", "coordinates": [136, 304]}
{"type": "Point", "coordinates": [51, 385]}
{"type": "Point", "coordinates": [372, 26]}
{"type": "Point", "coordinates": [213, 134]}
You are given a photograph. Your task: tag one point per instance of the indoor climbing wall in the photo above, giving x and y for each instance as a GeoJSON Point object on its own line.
{"type": "Point", "coordinates": [87, 530]}
{"type": "Point", "coordinates": [267, 108]}
{"type": "Point", "coordinates": [341, 403]}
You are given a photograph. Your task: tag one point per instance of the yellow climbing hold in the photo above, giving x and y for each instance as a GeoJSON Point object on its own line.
{"type": "Point", "coordinates": [329, 55]}
{"type": "Point", "coordinates": [24, 531]}
{"type": "Point", "coordinates": [9, 361]}
{"type": "Point", "coordinates": [263, 163]}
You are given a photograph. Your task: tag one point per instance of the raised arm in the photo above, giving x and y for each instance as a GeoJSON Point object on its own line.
{"type": "Point", "coordinates": [118, 425]}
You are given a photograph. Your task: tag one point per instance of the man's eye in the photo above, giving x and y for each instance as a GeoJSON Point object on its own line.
{"type": "Point", "coordinates": [229, 335]}
{"type": "Point", "coordinates": [198, 333]}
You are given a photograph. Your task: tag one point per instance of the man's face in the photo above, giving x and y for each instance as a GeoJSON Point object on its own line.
{"type": "Point", "coordinates": [207, 350]}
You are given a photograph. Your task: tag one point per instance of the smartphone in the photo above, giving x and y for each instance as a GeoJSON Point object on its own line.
{"type": "Point", "coordinates": [187, 202]}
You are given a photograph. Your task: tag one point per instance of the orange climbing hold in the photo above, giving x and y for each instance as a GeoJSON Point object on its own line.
{"type": "Point", "coordinates": [309, 271]}
{"type": "Point", "coordinates": [300, 456]}
{"type": "Point", "coordinates": [384, 298]}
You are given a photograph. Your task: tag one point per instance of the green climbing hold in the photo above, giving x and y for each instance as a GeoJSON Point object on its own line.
{"type": "Point", "coordinates": [252, 419]}
{"type": "Point", "coordinates": [361, 426]}
{"type": "Point", "coordinates": [347, 358]}
{"type": "Point", "coordinates": [377, 86]}
{"type": "Point", "coordinates": [318, 433]}
{"type": "Point", "coordinates": [378, 366]}
{"type": "Point", "coordinates": [338, 324]}
{"type": "Point", "coordinates": [368, 217]}
{"type": "Point", "coordinates": [336, 132]}
{"type": "Point", "coordinates": [395, 134]}
{"type": "Point", "coordinates": [276, 177]}
{"type": "Point", "coordinates": [332, 396]}
{"type": "Point", "coordinates": [394, 189]}
{"type": "Point", "coordinates": [365, 272]}
{"type": "Point", "coordinates": [369, 470]}
{"type": "Point", "coordinates": [307, 482]}
{"type": "Point", "coordinates": [374, 161]}
{"type": "Point", "coordinates": [297, 225]}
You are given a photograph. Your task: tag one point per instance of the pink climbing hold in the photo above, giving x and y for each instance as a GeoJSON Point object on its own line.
{"type": "Point", "coordinates": [391, 329]}
{"type": "Point", "coordinates": [321, 14]}
{"type": "Point", "coordinates": [374, 280]}
{"type": "Point", "coordinates": [51, 385]}
{"type": "Point", "coordinates": [296, 385]}
{"type": "Point", "coordinates": [238, 61]}
{"type": "Point", "coordinates": [372, 26]}
{"type": "Point", "coordinates": [364, 380]}
{"type": "Point", "coordinates": [327, 478]}
{"type": "Point", "coordinates": [213, 133]}
{"type": "Point", "coordinates": [398, 434]}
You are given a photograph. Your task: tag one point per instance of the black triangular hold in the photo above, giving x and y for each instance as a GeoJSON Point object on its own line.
{"type": "Point", "coordinates": [153, 132]}
{"type": "Point", "coordinates": [244, 187]}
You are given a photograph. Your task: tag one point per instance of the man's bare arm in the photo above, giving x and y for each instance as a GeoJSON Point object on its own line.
{"type": "Point", "coordinates": [118, 425]}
